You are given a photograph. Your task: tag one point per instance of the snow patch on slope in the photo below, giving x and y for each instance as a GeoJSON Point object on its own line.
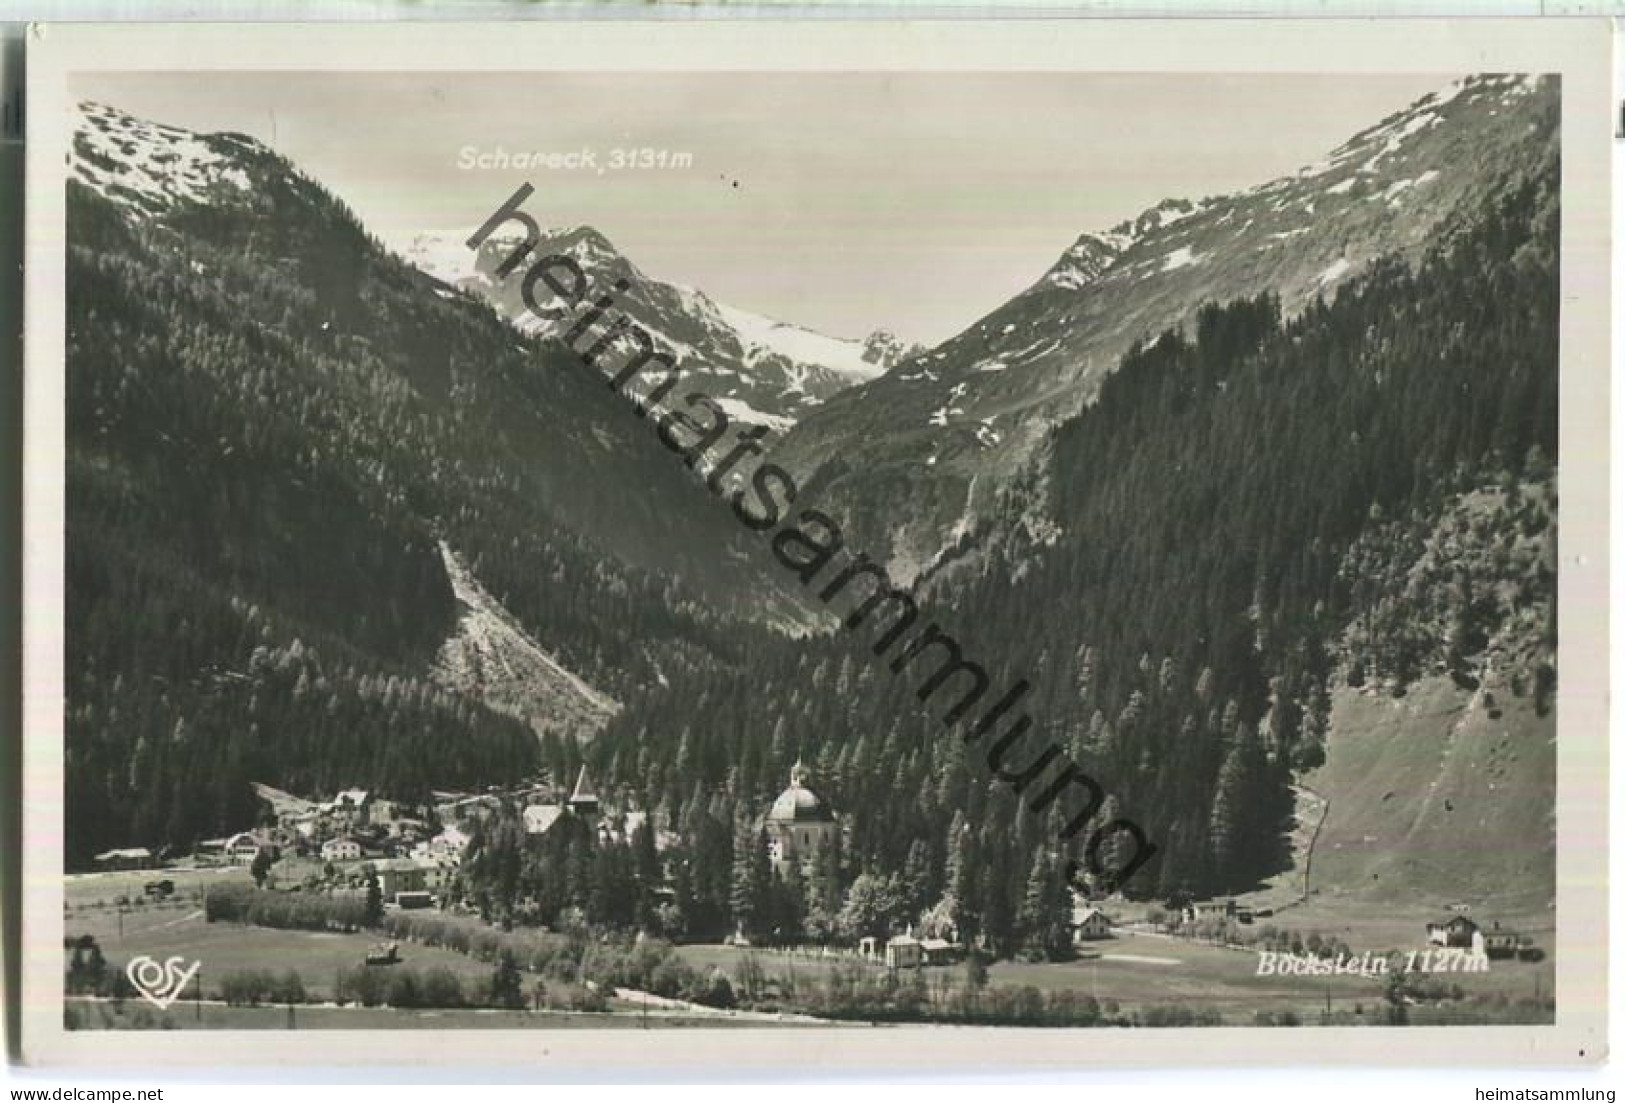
{"type": "Point", "coordinates": [758, 334]}
{"type": "Point", "coordinates": [149, 167]}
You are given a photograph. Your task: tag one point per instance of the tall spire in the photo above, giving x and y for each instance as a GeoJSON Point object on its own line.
{"type": "Point", "coordinates": [583, 793]}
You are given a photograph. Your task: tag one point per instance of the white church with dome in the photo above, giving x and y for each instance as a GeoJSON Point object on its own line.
{"type": "Point", "coordinates": [798, 826]}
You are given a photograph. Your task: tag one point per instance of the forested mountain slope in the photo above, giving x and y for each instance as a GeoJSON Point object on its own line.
{"type": "Point", "coordinates": [271, 423]}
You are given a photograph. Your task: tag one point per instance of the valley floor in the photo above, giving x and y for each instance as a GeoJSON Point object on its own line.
{"type": "Point", "coordinates": [1133, 972]}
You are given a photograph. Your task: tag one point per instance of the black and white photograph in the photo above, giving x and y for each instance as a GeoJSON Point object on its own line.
{"type": "Point", "coordinates": [778, 549]}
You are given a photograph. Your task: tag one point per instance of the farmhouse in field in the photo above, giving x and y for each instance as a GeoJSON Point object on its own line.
{"type": "Point", "coordinates": [398, 875]}
{"type": "Point", "coordinates": [1457, 931]}
{"type": "Point", "coordinates": [904, 951]}
{"type": "Point", "coordinates": [446, 846]}
{"type": "Point", "coordinates": [1090, 924]}
{"type": "Point", "coordinates": [1497, 942]}
{"type": "Point", "coordinates": [132, 857]}
{"type": "Point", "coordinates": [1202, 910]}
{"type": "Point", "coordinates": [341, 849]}
{"type": "Point", "coordinates": [242, 848]}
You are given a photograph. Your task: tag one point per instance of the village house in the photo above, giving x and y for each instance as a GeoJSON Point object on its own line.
{"type": "Point", "coordinates": [469, 809]}
{"type": "Point", "coordinates": [408, 828]}
{"type": "Point", "coordinates": [210, 850]}
{"type": "Point", "coordinates": [349, 807]}
{"type": "Point", "coordinates": [1203, 910]}
{"type": "Point", "coordinates": [939, 951]}
{"type": "Point", "coordinates": [131, 857]}
{"type": "Point", "coordinates": [341, 849]}
{"type": "Point", "coordinates": [904, 952]}
{"type": "Point", "coordinates": [398, 875]}
{"type": "Point", "coordinates": [1089, 924]}
{"type": "Point", "coordinates": [242, 848]}
{"type": "Point", "coordinates": [540, 818]}
{"type": "Point", "coordinates": [446, 846]}
{"type": "Point", "coordinates": [1457, 931]}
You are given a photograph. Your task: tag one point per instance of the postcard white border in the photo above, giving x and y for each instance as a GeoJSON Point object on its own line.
{"type": "Point", "coordinates": [1578, 50]}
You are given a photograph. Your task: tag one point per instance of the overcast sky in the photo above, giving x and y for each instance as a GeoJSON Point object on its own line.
{"type": "Point", "coordinates": [846, 202]}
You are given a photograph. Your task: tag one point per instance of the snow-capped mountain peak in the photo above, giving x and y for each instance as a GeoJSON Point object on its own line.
{"type": "Point", "coordinates": [759, 369]}
{"type": "Point", "coordinates": [153, 168]}
{"type": "Point", "coordinates": [1086, 261]}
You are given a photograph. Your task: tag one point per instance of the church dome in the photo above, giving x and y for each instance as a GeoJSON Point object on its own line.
{"type": "Point", "coordinates": [798, 803]}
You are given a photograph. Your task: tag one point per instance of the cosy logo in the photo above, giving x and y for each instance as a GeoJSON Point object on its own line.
{"type": "Point", "coordinates": [161, 985]}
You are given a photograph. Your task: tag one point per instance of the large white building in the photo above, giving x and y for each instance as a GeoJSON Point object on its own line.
{"type": "Point", "coordinates": [798, 826]}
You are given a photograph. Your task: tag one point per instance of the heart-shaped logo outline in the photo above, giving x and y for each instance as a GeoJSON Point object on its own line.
{"type": "Point", "coordinates": [160, 985]}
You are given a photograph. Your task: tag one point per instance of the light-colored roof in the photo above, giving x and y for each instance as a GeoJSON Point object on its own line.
{"type": "Point", "coordinates": [283, 804]}
{"type": "Point", "coordinates": [1087, 914]}
{"type": "Point", "coordinates": [398, 864]}
{"type": "Point", "coordinates": [540, 818]}
{"type": "Point", "coordinates": [798, 803]}
{"type": "Point", "coordinates": [127, 852]}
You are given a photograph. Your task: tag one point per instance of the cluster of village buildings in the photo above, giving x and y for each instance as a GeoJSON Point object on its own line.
{"type": "Point", "coordinates": [415, 853]}
{"type": "Point", "coordinates": [413, 850]}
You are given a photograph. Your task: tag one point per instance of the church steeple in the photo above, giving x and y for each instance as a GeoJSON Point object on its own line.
{"type": "Point", "coordinates": [798, 774]}
{"type": "Point", "coordinates": [583, 800]}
